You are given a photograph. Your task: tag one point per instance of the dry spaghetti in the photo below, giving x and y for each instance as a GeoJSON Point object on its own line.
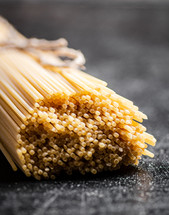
{"type": "Point", "coordinates": [54, 117]}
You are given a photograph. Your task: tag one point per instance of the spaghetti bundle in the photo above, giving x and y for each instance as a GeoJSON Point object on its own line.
{"type": "Point", "coordinates": [54, 117]}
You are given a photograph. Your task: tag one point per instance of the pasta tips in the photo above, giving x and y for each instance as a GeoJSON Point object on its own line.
{"type": "Point", "coordinates": [58, 118]}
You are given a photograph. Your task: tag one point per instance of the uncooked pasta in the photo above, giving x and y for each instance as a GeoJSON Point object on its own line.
{"type": "Point", "coordinates": [56, 118]}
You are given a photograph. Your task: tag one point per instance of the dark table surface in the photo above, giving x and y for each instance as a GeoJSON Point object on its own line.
{"type": "Point", "coordinates": [127, 45]}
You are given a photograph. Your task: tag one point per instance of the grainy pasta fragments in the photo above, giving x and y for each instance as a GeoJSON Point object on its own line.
{"type": "Point", "coordinates": [54, 117]}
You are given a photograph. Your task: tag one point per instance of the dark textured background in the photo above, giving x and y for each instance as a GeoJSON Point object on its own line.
{"type": "Point", "coordinates": [126, 43]}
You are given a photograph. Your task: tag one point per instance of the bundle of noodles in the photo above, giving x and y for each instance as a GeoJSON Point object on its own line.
{"type": "Point", "coordinates": [54, 117]}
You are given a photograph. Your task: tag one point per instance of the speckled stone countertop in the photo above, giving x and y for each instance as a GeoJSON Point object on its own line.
{"type": "Point", "coordinates": [127, 45]}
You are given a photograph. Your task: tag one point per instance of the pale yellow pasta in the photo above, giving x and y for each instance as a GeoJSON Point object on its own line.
{"type": "Point", "coordinates": [54, 117]}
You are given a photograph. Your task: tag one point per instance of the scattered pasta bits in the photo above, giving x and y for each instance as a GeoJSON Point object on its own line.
{"type": "Point", "coordinates": [54, 117]}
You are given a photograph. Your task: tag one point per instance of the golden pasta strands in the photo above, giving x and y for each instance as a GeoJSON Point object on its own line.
{"type": "Point", "coordinates": [54, 117]}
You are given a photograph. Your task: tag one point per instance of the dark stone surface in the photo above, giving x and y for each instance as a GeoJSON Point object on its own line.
{"type": "Point", "coordinates": [127, 45]}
